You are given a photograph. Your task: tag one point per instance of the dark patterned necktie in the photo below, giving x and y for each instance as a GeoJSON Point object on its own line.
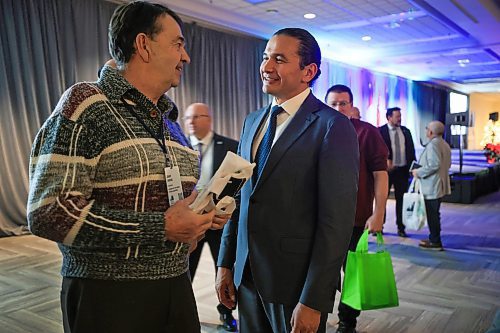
{"type": "Point", "coordinates": [266, 143]}
{"type": "Point", "coordinates": [199, 147]}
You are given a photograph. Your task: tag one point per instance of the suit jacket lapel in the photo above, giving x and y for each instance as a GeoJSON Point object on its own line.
{"type": "Point", "coordinates": [301, 121]}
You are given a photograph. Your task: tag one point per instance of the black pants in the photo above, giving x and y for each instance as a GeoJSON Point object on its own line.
{"type": "Point", "coordinates": [212, 238]}
{"type": "Point", "coordinates": [434, 219]}
{"type": "Point", "coordinates": [153, 306]}
{"type": "Point", "coordinates": [259, 316]}
{"type": "Point", "coordinates": [347, 314]}
{"type": "Point", "coordinates": [399, 177]}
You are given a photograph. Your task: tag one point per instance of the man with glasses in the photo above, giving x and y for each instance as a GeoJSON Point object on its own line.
{"type": "Point", "coordinates": [373, 181]}
{"type": "Point", "coordinates": [401, 153]}
{"type": "Point", "coordinates": [212, 148]}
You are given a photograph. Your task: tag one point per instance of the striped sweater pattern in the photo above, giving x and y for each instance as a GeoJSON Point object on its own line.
{"type": "Point", "coordinates": [97, 182]}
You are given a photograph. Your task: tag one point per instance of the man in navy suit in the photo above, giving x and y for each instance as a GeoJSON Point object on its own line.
{"type": "Point", "coordinates": [401, 153]}
{"type": "Point", "coordinates": [213, 148]}
{"type": "Point", "coordinates": [284, 247]}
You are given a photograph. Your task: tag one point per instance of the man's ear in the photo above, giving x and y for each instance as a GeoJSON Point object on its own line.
{"type": "Point", "coordinates": [310, 72]}
{"type": "Point", "coordinates": [143, 47]}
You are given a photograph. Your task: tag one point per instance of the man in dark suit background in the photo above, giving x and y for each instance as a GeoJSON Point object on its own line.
{"type": "Point", "coordinates": [213, 148]}
{"type": "Point", "coordinates": [401, 153]}
{"type": "Point", "coordinates": [284, 246]}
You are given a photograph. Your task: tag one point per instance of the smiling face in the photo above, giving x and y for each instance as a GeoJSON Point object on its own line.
{"type": "Point", "coordinates": [280, 69]}
{"type": "Point", "coordinates": [168, 55]}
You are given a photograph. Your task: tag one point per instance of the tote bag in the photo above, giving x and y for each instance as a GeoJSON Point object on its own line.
{"type": "Point", "coordinates": [369, 281]}
{"type": "Point", "coordinates": [414, 214]}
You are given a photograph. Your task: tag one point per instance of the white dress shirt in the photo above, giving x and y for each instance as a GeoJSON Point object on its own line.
{"type": "Point", "coordinates": [291, 107]}
{"type": "Point", "coordinates": [402, 152]}
{"type": "Point", "coordinates": [207, 160]}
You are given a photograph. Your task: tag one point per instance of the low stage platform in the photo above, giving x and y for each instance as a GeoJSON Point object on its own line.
{"type": "Point", "coordinates": [476, 177]}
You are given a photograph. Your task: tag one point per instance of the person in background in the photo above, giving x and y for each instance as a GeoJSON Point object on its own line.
{"type": "Point", "coordinates": [355, 114]}
{"type": "Point", "coordinates": [373, 184]}
{"type": "Point", "coordinates": [212, 148]}
{"type": "Point", "coordinates": [284, 246]}
{"type": "Point", "coordinates": [401, 153]}
{"type": "Point", "coordinates": [111, 178]}
{"type": "Point", "coordinates": [435, 162]}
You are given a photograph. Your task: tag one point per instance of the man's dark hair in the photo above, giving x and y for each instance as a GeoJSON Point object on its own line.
{"type": "Point", "coordinates": [309, 51]}
{"type": "Point", "coordinates": [339, 88]}
{"type": "Point", "coordinates": [131, 19]}
{"type": "Point", "coordinates": [390, 111]}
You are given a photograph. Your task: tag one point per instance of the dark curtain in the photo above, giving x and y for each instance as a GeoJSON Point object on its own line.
{"type": "Point", "coordinates": [431, 104]}
{"type": "Point", "coordinates": [46, 46]}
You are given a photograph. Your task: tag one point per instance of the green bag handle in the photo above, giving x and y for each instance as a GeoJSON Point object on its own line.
{"type": "Point", "coordinates": [362, 246]}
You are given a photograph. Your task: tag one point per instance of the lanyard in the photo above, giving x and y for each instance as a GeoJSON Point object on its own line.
{"type": "Point", "coordinates": [147, 128]}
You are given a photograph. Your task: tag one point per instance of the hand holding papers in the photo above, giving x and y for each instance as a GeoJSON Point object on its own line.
{"type": "Point", "coordinates": [232, 167]}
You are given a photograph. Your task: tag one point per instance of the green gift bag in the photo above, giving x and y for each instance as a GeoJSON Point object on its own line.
{"type": "Point", "coordinates": [369, 281]}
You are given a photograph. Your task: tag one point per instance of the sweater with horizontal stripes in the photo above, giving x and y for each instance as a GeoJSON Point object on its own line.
{"type": "Point", "coordinates": [97, 181]}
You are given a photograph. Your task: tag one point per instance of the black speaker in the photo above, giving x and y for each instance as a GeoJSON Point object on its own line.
{"type": "Point", "coordinates": [494, 116]}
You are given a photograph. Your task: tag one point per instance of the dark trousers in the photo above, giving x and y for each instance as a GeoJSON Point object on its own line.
{"type": "Point", "coordinates": [212, 238]}
{"type": "Point", "coordinates": [153, 306]}
{"type": "Point", "coordinates": [347, 314]}
{"type": "Point", "coordinates": [259, 316]}
{"type": "Point", "coordinates": [434, 219]}
{"type": "Point", "coordinates": [399, 177]}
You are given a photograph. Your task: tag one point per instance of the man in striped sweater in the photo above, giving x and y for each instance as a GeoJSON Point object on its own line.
{"type": "Point", "coordinates": [109, 172]}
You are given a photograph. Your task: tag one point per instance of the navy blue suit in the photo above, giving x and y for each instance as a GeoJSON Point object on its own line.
{"type": "Point", "coordinates": [294, 225]}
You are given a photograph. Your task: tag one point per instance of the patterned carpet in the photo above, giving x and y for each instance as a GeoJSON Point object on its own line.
{"type": "Point", "coordinates": [454, 291]}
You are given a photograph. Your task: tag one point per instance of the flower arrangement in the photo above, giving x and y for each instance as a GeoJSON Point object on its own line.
{"type": "Point", "coordinates": [491, 141]}
{"type": "Point", "coordinates": [492, 152]}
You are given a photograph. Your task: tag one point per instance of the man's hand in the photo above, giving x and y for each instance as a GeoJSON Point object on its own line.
{"type": "Point", "coordinates": [219, 221]}
{"type": "Point", "coordinates": [224, 286]}
{"type": "Point", "coordinates": [183, 225]}
{"type": "Point", "coordinates": [390, 166]}
{"type": "Point", "coordinates": [375, 223]}
{"type": "Point", "coordinates": [305, 319]}
{"type": "Point", "coordinates": [414, 173]}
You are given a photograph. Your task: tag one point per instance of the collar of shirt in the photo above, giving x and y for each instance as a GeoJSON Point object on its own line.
{"type": "Point", "coordinates": [392, 128]}
{"type": "Point", "coordinates": [115, 86]}
{"type": "Point", "coordinates": [205, 141]}
{"type": "Point", "coordinates": [292, 105]}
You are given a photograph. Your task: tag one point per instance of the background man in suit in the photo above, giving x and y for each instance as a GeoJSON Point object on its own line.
{"type": "Point", "coordinates": [213, 148]}
{"type": "Point", "coordinates": [285, 245]}
{"type": "Point", "coordinates": [435, 163]}
{"type": "Point", "coordinates": [401, 153]}
{"type": "Point", "coordinates": [373, 184]}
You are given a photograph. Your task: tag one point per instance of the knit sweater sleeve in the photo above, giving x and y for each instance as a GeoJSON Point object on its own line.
{"type": "Point", "coordinates": [63, 164]}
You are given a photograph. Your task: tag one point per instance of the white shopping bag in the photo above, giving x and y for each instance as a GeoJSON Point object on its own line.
{"type": "Point", "coordinates": [414, 214]}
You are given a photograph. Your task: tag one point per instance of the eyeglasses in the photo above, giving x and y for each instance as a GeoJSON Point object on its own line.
{"type": "Point", "coordinates": [342, 104]}
{"type": "Point", "coordinates": [194, 117]}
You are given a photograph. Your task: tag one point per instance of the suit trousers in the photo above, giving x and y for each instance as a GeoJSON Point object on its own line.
{"type": "Point", "coordinates": [212, 238]}
{"type": "Point", "coordinates": [434, 219]}
{"type": "Point", "coordinates": [153, 306]}
{"type": "Point", "coordinates": [347, 314]}
{"type": "Point", "coordinates": [399, 177]}
{"type": "Point", "coordinates": [259, 316]}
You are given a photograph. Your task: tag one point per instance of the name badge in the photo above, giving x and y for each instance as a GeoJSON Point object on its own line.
{"type": "Point", "coordinates": [174, 186]}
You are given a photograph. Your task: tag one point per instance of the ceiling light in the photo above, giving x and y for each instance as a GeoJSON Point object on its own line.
{"type": "Point", "coordinates": [366, 38]}
{"type": "Point", "coordinates": [309, 16]}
